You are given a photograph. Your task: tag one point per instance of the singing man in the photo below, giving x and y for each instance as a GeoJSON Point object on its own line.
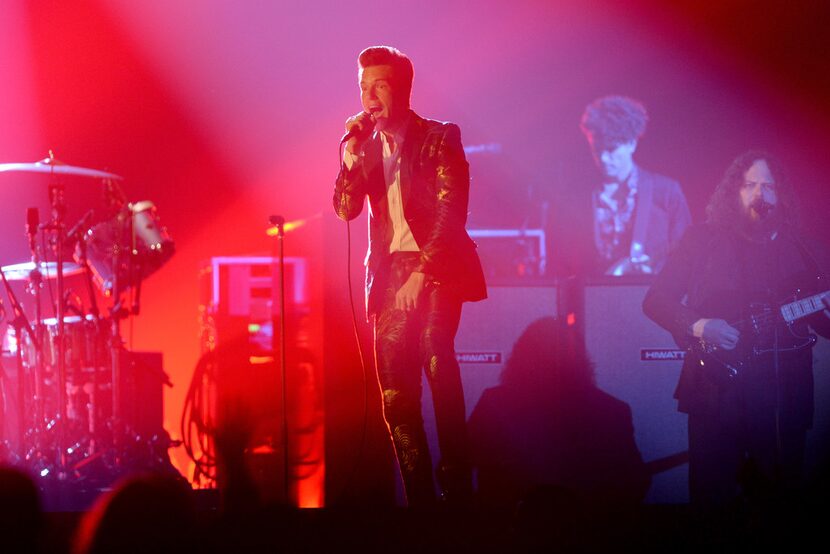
{"type": "Point", "coordinates": [420, 268]}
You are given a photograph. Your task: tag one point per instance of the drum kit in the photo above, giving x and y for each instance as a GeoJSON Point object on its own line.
{"type": "Point", "coordinates": [70, 379]}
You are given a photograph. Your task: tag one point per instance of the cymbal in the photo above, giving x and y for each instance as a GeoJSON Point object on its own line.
{"type": "Point", "coordinates": [49, 270]}
{"type": "Point", "coordinates": [56, 167]}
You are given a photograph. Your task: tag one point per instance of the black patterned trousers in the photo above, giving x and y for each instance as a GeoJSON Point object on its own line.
{"type": "Point", "coordinates": [407, 342]}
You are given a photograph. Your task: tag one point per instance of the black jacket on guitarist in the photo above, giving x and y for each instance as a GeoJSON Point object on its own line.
{"type": "Point", "coordinates": [717, 273]}
{"type": "Point", "coordinates": [748, 429]}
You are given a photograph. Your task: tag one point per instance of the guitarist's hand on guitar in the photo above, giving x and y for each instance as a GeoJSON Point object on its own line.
{"type": "Point", "coordinates": [826, 301]}
{"type": "Point", "coordinates": [716, 332]}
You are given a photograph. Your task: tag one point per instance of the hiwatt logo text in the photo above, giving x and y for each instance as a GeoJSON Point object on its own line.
{"type": "Point", "coordinates": [478, 357]}
{"type": "Point", "coordinates": [661, 354]}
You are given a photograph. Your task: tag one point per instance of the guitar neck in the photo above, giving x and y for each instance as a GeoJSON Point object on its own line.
{"type": "Point", "coordinates": [804, 307]}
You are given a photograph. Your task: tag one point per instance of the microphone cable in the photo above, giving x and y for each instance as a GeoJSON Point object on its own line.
{"type": "Point", "coordinates": [364, 378]}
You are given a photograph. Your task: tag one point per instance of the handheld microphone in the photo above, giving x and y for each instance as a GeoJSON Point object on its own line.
{"type": "Point", "coordinates": [276, 220]}
{"type": "Point", "coordinates": [359, 130]}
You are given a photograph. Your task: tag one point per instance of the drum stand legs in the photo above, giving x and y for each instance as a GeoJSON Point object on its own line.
{"type": "Point", "coordinates": [71, 370]}
{"type": "Point", "coordinates": [72, 427]}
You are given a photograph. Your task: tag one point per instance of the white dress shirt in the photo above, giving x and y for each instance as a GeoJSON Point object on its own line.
{"type": "Point", "coordinates": [402, 239]}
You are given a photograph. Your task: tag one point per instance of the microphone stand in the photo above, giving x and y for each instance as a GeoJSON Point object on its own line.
{"type": "Point", "coordinates": [19, 324]}
{"type": "Point", "coordinates": [279, 222]}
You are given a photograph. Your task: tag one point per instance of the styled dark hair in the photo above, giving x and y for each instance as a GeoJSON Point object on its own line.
{"type": "Point", "coordinates": [402, 68]}
{"type": "Point", "coordinates": [613, 120]}
{"type": "Point", "coordinates": [725, 205]}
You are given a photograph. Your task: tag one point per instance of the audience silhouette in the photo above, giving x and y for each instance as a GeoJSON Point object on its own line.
{"type": "Point", "coordinates": [21, 514]}
{"type": "Point", "coordinates": [548, 425]}
{"type": "Point", "coordinates": [143, 513]}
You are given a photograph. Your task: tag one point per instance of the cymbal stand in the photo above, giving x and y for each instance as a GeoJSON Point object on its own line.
{"type": "Point", "coordinates": [58, 203]}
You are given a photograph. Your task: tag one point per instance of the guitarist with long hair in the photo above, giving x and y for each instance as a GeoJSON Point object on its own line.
{"type": "Point", "coordinates": [743, 293]}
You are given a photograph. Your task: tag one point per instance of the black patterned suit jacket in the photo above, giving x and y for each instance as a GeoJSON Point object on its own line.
{"type": "Point", "coordinates": [435, 186]}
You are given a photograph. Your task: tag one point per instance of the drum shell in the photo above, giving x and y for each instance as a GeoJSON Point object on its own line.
{"type": "Point", "coordinates": [85, 341]}
{"type": "Point", "coordinates": [127, 252]}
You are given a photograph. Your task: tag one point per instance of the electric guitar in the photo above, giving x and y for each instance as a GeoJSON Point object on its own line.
{"type": "Point", "coordinates": [758, 328]}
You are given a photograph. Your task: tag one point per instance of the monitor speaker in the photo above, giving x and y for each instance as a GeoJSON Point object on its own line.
{"type": "Point", "coordinates": [484, 340]}
{"type": "Point", "coordinates": [638, 362]}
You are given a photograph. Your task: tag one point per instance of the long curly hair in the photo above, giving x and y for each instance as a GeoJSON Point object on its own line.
{"type": "Point", "coordinates": [548, 356]}
{"type": "Point", "coordinates": [725, 208]}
